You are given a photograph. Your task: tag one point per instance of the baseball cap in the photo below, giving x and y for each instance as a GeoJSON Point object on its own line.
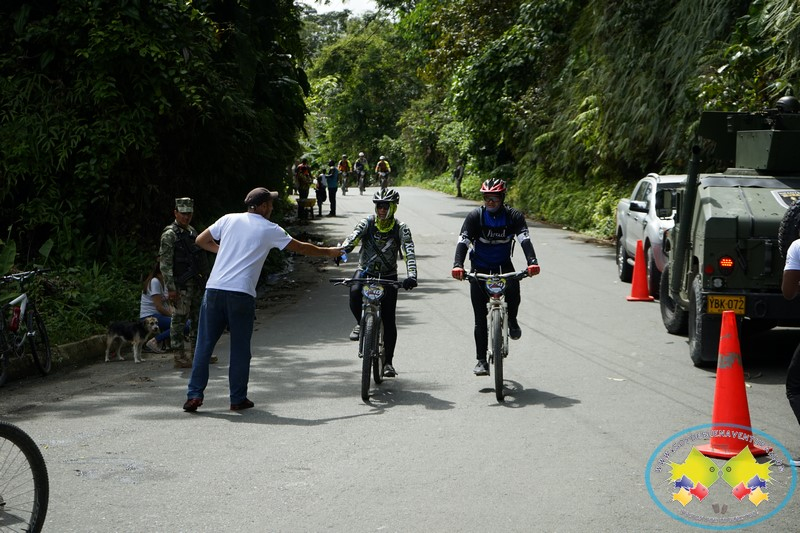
{"type": "Point", "coordinates": [258, 196]}
{"type": "Point", "coordinates": [184, 205]}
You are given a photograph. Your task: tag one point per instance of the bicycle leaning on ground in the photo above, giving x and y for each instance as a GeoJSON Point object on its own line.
{"type": "Point", "coordinates": [24, 485]}
{"type": "Point", "coordinates": [370, 339]}
{"type": "Point", "coordinates": [495, 286]}
{"type": "Point", "coordinates": [22, 326]}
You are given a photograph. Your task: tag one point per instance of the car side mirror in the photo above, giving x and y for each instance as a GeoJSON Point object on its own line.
{"type": "Point", "coordinates": [639, 206]}
{"type": "Point", "coordinates": [666, 203]}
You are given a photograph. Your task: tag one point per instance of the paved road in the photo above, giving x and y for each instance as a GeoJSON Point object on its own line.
{"type": "Point", "coordinates": [596, 386]}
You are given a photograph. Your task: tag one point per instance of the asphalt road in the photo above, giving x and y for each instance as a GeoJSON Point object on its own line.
{"type": "Point", "coordinates": [596, 385]}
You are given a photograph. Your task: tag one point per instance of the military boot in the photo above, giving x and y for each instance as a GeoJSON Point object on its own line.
{"type": "Point", "coordinates": [189, 343]}
{"type": "Point", "coordinates": [183, 360]}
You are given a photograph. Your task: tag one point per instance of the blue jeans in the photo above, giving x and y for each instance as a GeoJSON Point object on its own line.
{"type": "Point", "coordinates": [219, 309]}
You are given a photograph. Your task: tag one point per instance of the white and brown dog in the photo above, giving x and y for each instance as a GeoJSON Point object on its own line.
{"type": "Point", "coordinates": [137, 333]}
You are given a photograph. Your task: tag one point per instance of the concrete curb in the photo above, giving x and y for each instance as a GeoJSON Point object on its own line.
{"type": "Point", "coordinates": [65, 356]}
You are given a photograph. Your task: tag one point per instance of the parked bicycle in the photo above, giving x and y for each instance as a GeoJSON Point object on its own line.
{"type": "Point", "coordinates": [22, 327]}
{"type": "Point", "coordinates": [24, 484]}
{"type": "Point", "coordinates": [370, 339]}
{"type": "Point", "coordinates": [495, 286]}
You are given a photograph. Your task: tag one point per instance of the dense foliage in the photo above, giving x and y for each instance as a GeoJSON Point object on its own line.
{"type": "Point", "coordinates": [579, 96]}
{"type": "Point", "coordinates": [111, 109]}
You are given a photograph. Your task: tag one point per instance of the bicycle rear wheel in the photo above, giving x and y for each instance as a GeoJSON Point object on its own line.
{"type": "Point", "coordinates": [369, 344]}
{"type": "Point", "coordinates": [39, 342]}
{"type": "Point", "coordinates": [3, 369]}
{"type": "Point", "coordinates": [497, 353]}
{"type": "Point", "coordinates": [24, 485]}
{"type": "Point", "coordinates": [380, 357]}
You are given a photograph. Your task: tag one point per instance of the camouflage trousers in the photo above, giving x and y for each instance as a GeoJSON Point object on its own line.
{"type": "Point", "coordinates": [187, 308]}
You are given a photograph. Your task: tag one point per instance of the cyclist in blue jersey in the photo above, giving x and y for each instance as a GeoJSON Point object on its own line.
{"type": "Point", "coordinates": [490, 231]}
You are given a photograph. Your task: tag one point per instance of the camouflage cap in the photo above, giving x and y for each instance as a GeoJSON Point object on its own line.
{"type": "Point", "coordinates": [184, 205]}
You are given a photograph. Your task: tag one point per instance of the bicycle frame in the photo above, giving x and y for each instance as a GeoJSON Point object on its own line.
{"type": "Point", "coordinates": [370, 339]}
{"type": "Point", "coordinates": [16, 341]}
{"type": "Point", "coordinates": [497, 320]}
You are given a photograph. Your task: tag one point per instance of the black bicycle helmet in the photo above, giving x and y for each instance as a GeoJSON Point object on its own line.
{"type": "Point", "coordinates": [386, 195]}
{"type": "Point", "coordinates": [493, 186]}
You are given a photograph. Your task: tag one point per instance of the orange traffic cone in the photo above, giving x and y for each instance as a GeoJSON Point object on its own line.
{"type": "Point", "coordinates": [730, 399]}
{"type": "Point", "coordinates": [639, 292]}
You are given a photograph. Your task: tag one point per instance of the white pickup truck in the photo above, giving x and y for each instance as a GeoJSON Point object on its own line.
{"type": "Point", "coordinates": [637, 220]}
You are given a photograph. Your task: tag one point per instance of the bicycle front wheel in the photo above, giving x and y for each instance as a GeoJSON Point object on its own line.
{"type": "Point", "coordinates": [39, 342]}
{"type": "Point", "coordinates": [497, 353]}
{"type": "Point", "coordinates": [380, 357]}
{"type": "Point", "coordinates": [24, 485]}
{"type": "Point", "coordinates": [369, 343]}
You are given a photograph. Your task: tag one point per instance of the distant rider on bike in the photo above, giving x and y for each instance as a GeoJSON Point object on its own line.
{"type": "Point", "coordinates": [360, 167]}
{"type": "Point", "coordinates": [490, 231]}
{"type": "Point", "coordinates": [382, 169]}
{"type": "Point", "coordinates": [344, 170]}
{"type": "Point", "coordinates": [382, 239]}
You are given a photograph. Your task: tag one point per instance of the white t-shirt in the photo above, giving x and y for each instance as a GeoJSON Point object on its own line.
{"type": "Point", "coordinates": [793, 256]}
{"type": "Point", "coordinates": [146, 305]}
{"type": "Point", "coordinates": [245, 239]}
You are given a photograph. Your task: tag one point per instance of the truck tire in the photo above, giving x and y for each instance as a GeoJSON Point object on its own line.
{"type": "Point", "coordinates": [653, 275]}
{"type": "Point", "coordinates": [789, 229]}
{"type": "Point", "coordinates": [703, 330]}
{"type": "Point", "coordinates": [624, 269]}
{"type": "Point", "coordinates": [674, 318]}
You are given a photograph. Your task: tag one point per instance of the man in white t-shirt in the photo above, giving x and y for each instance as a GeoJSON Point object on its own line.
{"type": "Point", "coordinates": [244, 240]}
{"type": "Point", "coordinates": [790, 287]}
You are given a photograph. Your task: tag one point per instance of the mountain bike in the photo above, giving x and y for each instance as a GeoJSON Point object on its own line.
{"type": "Point", "coordinates": [362, 181]}
{"type": "Point", "coordinates": [370, 339]}
{"type": "Point", "coordinates": [495, 286]}
{"type": "Point", "coordinates": [24, 485]}
{"type": "Point", "coordinates": [343, 176]}
{"type": "Point", "coordinates": [383, 179]}
{"type": "Point", "coordinates": [21, 325]}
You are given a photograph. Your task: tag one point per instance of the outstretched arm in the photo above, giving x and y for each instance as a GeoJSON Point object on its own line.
{"type": "Point", "coordinates": [305, 248]}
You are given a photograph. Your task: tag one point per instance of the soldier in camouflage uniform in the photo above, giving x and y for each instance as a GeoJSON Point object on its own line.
{"type": "Point", "coordinates": [185, 269]}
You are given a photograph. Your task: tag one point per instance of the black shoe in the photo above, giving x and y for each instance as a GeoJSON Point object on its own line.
{"type": "Point", "coordinates": [482, 368]}
{"type": "Point", "coordinates": [355, 333]}
{"type": "Point", "coordinates": [514, 331]}
{"type": "Point", "coordinates": [389, 372]}
{"type": "Point", "coordinates": [192, 404]}
{"type": "Point", "coordinates": [244, 404]}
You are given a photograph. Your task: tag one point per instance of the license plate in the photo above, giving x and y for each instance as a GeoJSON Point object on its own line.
{"type": "Point", "coordinates": [717, 304]}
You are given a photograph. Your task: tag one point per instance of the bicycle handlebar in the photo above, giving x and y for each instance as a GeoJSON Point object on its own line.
{"type": "Point", "coordinates": [21, 277]}
{"type": "Point", "coordinates": [352, 281]}
{"type": "Point", "coordinates": [476, 276]}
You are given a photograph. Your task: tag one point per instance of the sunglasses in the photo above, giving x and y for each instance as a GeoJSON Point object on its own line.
{"type": "Point", "coordinates": [491, 199]}
{"type": "Point", "coordinates": [382, 205]}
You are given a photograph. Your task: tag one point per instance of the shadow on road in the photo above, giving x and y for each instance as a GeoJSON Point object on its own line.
{"type": "Point", "coordinates": [518, 396]}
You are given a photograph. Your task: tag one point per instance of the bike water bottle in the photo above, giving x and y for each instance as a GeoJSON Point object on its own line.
{"type": "Point", "coordinates": [15, 319]}
{"type": "Point", "coordinates": [343, 257]}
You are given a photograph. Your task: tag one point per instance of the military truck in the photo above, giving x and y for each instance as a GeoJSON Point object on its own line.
{"type": "Point", "coordinates": [725, 251]}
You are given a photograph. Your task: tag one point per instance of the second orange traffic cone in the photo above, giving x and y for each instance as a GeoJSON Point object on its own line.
{"type": "Point", "coordinates": [639, 292]}
{"type": "Point", "coordinates": [730, 415]}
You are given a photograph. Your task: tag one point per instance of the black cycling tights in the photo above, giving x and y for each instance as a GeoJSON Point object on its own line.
{"type": "Point", "coordinates": [479, 298]}
{"type": "Point", "coordinates": [388, 316]}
